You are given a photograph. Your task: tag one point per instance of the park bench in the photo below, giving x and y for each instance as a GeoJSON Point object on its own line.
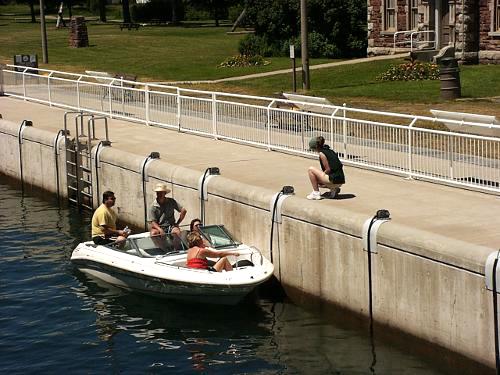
{"type": "Point", "coordinates": [129, 26]}
{"type": "Point", "coordinates": [491, 126]}
{"type": "Point", "coordinates": [117, 81]}
{"type": "Point", "coordinates": [300, 104]}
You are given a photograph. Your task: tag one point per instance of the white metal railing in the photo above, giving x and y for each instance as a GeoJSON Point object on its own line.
{"type": "Point", "coordinates": [384, 141]}
{"type": "Point", "coordinates": [425, 39]}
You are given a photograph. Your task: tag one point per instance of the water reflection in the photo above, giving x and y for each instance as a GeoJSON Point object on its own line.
{"type": "Point", "coordinates": [205, 335]}
{"type": "Point", "coordinates": [278, 335]}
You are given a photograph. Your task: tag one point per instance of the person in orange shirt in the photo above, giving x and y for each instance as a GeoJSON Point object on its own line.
{"type": "Point", "coordinates": [198, 253]}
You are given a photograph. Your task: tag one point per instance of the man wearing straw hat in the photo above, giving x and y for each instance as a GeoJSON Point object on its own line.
{"type": "Point", "coordinates": [161, 213]}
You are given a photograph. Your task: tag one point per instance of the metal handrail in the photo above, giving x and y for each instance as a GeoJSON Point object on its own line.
{"type": "Point", "coordinates": [256, 121]}
{"type": "Point", "coordinates": [414, 36]}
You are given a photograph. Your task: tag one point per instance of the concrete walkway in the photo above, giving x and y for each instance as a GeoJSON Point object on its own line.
{"type": "Point", "coordinates": [452, 212]}
{"type": "Point", "coordinates": [284, 71]}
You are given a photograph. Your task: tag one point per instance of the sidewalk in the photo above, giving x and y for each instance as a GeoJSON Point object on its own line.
{"type": "Point", "coordinates": [452, 212]}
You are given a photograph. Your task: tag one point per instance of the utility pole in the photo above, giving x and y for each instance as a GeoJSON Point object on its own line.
{"type": "Point", "coordinates": [44, 33]}
{"type": "Point", "coordinates": [306, 84]}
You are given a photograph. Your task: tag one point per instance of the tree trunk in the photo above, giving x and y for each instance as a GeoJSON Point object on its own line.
{"type": "Point", "coordinates": [174, 12]}
{"type": "Point", "coordinates": [32, 11]}
{"type": "Point", "coordinates": [69, 9]}
{"type": "Point", "coordinates": [239, 19]}
{"type": "Point", "coordinates": [126, 12]}
{"type": "Point", "coordinates": [216, 14]}
{"type": "Point", "coordinates": [102, 10]}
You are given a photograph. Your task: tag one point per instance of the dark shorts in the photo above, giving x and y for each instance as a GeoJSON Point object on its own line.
{"type": "Point", "coordinates": [167, 228]}
{"type": "Point", "coordinates": [98, 240]}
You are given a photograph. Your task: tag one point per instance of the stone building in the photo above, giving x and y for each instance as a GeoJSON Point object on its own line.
{"type": "Point", "coordinates": [471, 26]}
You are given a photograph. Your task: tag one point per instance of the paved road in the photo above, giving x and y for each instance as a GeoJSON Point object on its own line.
{"type": "Point", "coordinates": [460, 214]}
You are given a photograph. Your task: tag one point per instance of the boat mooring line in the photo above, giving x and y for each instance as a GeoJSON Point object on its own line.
{"type": "Point", "coordinates": [6, 133]}
{"type": "Point", "coordinates": [491, 276]}
{"type": "Point", "coordinates": [495, 314]}
{"type": "Point", "coordinates": [144, 178]}
{"type": "Point", "coordinates": [369, 241]}
{"type": "Point", "coordinates": [23, 126]}
{"type": "Point", "coordinates": [275, 207]}
{"type": "Point", "coordinates": [369, 234]}
{"type": "Point", "coordinates": [173, 183]}
{"type": "Point", "coordinates": [97, 164]}
{"type": "Point", "coordinates": [203, 188]}
{"type": "Point", "coordinates": [237, 201]}
{"type": "Point", "coordinates": [56, 156]}
{"type": "Point", "coordinates": [321, 226]}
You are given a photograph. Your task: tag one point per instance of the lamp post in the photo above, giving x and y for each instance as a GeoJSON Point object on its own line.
{"type": "Point", "coordinates": [306, 85]}
{"type": "Point", "coordinates": [44, 33]}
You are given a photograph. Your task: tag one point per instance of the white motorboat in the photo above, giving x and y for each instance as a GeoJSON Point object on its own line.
{"type": "Point", "coordinates": [156, 266]}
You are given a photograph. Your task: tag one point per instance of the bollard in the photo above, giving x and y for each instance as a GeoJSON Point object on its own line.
{"type": "Point", "coordinates": [449, 75]}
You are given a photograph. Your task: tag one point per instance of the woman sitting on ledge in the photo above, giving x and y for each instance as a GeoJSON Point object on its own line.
{"type": "Point", "coordinates": [198, 253]}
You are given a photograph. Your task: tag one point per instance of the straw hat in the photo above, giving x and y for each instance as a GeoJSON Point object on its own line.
{"type": "Point", "coordinates": [162, 187]}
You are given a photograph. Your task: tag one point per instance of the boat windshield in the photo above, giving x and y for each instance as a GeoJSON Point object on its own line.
{"type": "Point", "coordinates": [218, 236]}
{"type": "Point", "coordinates": [148, 246]}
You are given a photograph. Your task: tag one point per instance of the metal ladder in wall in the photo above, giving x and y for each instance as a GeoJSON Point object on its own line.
{"type": "Point", "coordinates": [79, 159]}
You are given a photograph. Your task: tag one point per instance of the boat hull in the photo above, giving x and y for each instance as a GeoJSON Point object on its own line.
{"type": "Point", "coordinates": [165, 288]}
{"type": "Point", "coordinates": [164, 284]}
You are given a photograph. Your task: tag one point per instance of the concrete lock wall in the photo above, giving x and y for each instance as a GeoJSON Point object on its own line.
{"type": "Point", "coordinates": [426, 285]}
{"type": "Point", "coordinates": [32, 157]}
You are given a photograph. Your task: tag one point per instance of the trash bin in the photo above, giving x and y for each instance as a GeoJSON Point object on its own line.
{"type": "Point", "coordinates": [449, 75]}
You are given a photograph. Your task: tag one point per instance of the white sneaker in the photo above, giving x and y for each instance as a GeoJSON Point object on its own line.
{"type": "Point", "coordinates": [315, 195]}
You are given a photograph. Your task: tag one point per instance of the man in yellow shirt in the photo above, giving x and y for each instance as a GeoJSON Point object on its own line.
{"type": "Point", "coordinates": [104, 222]}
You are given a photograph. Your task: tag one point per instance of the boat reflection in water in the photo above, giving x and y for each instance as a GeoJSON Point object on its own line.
{"type": "Point", "coordinates": [179, 335]}
{"type": "Point", "coordinates": [259, 336]}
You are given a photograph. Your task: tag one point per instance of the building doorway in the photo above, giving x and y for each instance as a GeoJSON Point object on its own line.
{"type": "Point", "coordinates": [439, 18]}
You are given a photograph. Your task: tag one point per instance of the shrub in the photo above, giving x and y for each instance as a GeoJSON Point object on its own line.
{"type": "Point", "coordinates": [259, 45]}
{"type": "Point", "coordinates": [337, 27]}
{"type": "Point", "coordinates": [255, 45]}
{"type": "Point", "coordinates": [243, 60]}
{"type": "Point", "coordinates": [412, 71]}
{"type": "Point", "coordinates": [320, 47]}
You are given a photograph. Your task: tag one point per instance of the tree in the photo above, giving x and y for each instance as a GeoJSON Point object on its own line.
{"type": "Point", "coordinates": [217, 8]}
{"type": "Point", "coordinates": [126, 11]}
{"type": "Point", "coordinates": [102, 10]}
{"type": "Point", "coordinates": [337, 28]}
{"type": "Point", "coordinates": [31, 4]}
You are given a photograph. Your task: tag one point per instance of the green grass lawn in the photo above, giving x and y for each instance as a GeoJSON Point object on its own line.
{"type": "Point", "coordinates": [152, 53]}
{"type": "Point", "coordinates": [359, 80]}
{"type": "Point", "coordinates": [194, 53]}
